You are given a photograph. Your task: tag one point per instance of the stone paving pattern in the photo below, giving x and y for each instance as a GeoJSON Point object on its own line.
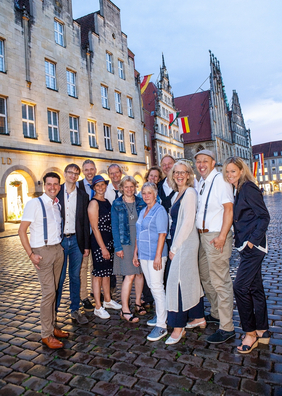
{"type": "Point", "coordinates": [113, 357]}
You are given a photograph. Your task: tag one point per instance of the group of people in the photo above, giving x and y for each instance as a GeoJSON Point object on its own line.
{"type": "Point", "coordinates": [173, 240]}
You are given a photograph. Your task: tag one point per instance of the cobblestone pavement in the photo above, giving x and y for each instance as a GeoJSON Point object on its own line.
{"type": "Point", "coordinates": [113, 357]}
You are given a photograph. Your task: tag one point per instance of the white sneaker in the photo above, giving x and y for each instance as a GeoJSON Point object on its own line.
{"type": "Point", "coordinates": [102, 313]}
{"type": "Point", "coordinates": [112, 304]}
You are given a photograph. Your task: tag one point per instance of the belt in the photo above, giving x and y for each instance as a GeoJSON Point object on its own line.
{"type": "Point", "coordinates": [202, 231]}
{"type": "Point", "coordinates": [69, 235]}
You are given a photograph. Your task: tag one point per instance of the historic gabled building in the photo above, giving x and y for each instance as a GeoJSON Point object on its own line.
{"type": "Point", "coordinates": [210, 126]}
{"type": "Point", "coordinates": [241, 136]}
{"type": "Point", "coordinates": [272, 178]}
{"type": "Point", "coordinates": [158, 104]}
{"type": "Point", "coordinates": [68, 91]}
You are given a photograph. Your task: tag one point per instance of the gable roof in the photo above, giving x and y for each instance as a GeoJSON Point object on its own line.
{"type": "Point", "coordinates": [196, 107]}
{"type": "Point", "coordinates": [268, 149]}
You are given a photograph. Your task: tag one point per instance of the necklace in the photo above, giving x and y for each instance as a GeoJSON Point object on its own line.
{"type": "Point", "coordinates": [130, 210]}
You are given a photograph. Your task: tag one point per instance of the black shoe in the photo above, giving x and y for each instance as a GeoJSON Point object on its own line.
{"type": "Point", "coordinates": [211, 319]}
{"type": "Point", "coordinates": [220, 336]}
{"type": "Point", "coordinates": [87, 305]}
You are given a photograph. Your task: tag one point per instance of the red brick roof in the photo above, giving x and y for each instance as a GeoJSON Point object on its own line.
{"type": "Point", "coordinates": [196, 107]}
{"type": "Point", "coordinates": [268, 149]}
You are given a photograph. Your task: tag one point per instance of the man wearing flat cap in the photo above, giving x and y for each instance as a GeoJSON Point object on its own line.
{"type": "Point", "coordinates": [213, 221]}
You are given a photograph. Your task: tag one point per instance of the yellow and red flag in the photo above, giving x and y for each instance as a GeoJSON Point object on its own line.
{"type": "Point", "coordinates": [184, 125]}
{"type": "Point", "coordinates": [261, 163]}
{"type": "Point", "coordinates": [255, 171]}
{"type": "Point", "coordinates": [145, 82]}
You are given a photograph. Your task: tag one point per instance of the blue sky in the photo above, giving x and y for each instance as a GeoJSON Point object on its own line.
{"type": "Point", "coordinates": [244, 35]}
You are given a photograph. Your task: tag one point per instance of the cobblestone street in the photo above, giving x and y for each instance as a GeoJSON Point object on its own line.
{"type": "Point", "coordinates": [113, 357]}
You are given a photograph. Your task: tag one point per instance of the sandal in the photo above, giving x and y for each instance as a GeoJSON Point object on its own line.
{"type": "Point", "coordinates": [131, 317]}
{"type": "Point", "coordinates": [248, 348]}
{"type": "Point", "coordinates": [264, 338]}
{"type": "Point", "coordinates": [140, 310]}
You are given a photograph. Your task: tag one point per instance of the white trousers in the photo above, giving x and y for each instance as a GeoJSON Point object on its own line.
{"type": "Point", "coordinates": [155, 281]}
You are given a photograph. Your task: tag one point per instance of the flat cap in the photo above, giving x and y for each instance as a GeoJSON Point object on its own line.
{"type": "Point", "coordinates": [206, 152]}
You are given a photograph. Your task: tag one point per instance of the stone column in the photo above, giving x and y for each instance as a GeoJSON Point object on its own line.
{"type": "Point", "coordinates": [2, 222]}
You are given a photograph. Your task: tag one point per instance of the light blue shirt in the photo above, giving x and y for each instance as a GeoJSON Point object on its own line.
{"type": "Point", "coordinates": [148, 230]}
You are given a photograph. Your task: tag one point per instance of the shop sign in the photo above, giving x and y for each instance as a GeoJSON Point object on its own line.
{"type": "Point", "coordinates": [6, 161]}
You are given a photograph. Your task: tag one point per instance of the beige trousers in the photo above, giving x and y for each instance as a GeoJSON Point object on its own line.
{"type": "Point", "coordinates": [215, 278]}
{"type": "Point", "coordinates": [84, 274]}
{"type": "Point", "coordinates": [49, 275]}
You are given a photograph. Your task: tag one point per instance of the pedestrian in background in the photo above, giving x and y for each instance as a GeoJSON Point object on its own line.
{"type": "Point", "coordinates": [124, 214]}
{"type": "Point", "coordinates": [250, 221]}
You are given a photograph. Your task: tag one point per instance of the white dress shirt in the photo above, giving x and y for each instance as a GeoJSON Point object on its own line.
{"type": "Point", "coordinates": [110, 194]}
{"type": "Point", "coordinates": [33, 213]}
{"type": "Point", "coordinates": [70, 210]}
{"type": "Point", "coordinates": [221, 193]}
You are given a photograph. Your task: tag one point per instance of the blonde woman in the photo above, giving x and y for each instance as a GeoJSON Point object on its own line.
{"type": "Point", "coordinates": [184, 293]}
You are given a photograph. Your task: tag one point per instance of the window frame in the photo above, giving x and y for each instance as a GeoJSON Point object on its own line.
{"type": "Point", "coordinates": [71, 85]}
{"type": "Point", "coordinates": [4, 116]}
{"type": "Point", "coordinates": [74, 132]}
{"type": "Point", "coordinates": [121, 142]}
{"type": "Point", "coordinates": [28, 121]}
{"type": "Point", "coordinates": [105, 96]}
{"type": "Point", "coordinates": [59, 34]}
{"type": "Point", "coordinates": [118, 104]}
{"type": "Point", "coordinates": [2, 55]}
{"type": "Point", "coordinates": [132, 140]}
{"type": "Point", "coordinates": [129, 107]}
{"type": "Point", "coordinates": [53, 126]}
{"type": "Point", "coordinates": [121, 69]}
{"type": "Point", "coordinates": [109, 62]}
{"type": "Point", "coordinates": [107, 137]}
{"type": "Point", "coordinates": [92, 133]}
{"type": "Point", "coordinates": [50, 77]}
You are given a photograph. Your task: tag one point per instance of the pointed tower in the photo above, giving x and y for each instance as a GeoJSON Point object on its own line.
{"type": "Point", "coordinates": [241, 136]}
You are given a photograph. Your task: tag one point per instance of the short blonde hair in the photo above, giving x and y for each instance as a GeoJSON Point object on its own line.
{"type": "Point", "coordinates": [241, 164]}
{"type": "Point", "coordinates": [127, 179]}
{"type": "Point", "coordinates": [190, 181]}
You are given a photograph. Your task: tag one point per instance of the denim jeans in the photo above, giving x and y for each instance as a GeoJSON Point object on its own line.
{"type": "Point", "coordinates": [71, 251]}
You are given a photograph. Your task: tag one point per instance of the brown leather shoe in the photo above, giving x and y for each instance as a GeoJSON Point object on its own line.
{"type": "Point", "coordinates": [52, 342]}
{"type": "Point", "coordinates": [60, 333]}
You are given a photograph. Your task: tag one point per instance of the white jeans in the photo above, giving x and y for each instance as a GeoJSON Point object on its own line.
{"type": "Point", "coordinates": [155, 281]}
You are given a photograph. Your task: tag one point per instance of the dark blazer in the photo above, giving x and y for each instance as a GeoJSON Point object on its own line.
{"type": "Point", "coordinates": [250, 216]}
{"type": "Point", "coordinates": [81, 185]}
{"type": "Point", "coordinates": [82, 226]}
{"type": "Point", "coordinates": [166, 200]}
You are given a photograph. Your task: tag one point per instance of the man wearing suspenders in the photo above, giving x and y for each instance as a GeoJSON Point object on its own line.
{"type": "Point", "coordinates": [213, 221]}
{"type": "Point", "coordinates": [43, 217]}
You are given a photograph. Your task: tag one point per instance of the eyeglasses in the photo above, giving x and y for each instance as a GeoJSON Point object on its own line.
{"type": "Point", "coordinates": [180, 173]}
{"type": "Point", "coordinates": [72, 173]}
{"type": "Point", "coordinates": [202, 189]}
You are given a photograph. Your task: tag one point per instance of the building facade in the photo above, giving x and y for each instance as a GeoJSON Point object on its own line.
{"type": "Point", "coordinates": [158, 105]}
{"type": "Point", "coordinates": [271, 181]}
{"type": "Point", "coordinates": [213, 125]}
{"type": "Point", "coordinates": [68, 91]}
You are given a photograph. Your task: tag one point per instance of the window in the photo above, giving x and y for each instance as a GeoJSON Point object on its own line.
{"type": "Point", "coordinates": [165, 130]}
{"type": "Point", "coordinates": [28, 120]}
{"type": "Point", "coordinates": [147, 162]}
{"type": "Point", "coordinates": [71, 83]}
{"type": "Point", "coordinates": [121, 69]}
{"type": "Point", "coordinates": [121, 146]}
{"type": "Point", "coordinates": [274, 177]}
{"type": "Point", "coordinates": [273, 170]}
{"type": "Point", "coordinates": [145, 139]}
{"type": "Point", "coordinates": [169, 151]}
{"type": "Point", "coordinates": [50, 74]}
{"type": "Point", "coordinates": [118, 102]}
{"type": "Point", "coordinates": [59, 33]}
{"type": "Point", "coordinates": [2, 58]}
{"type": "Point", "coordinates": [163, 112]}
{"type": "Point", "coordinates": [92, 134]}
{"type": "Point", "coordinates": [129, 107]}
{"type": "Point", "coordinates": [107, 137]}
{"type": "Point", "coordinates": [261, 178]}
{"type": "Point", "coordinates": [3, 116]}
{"type": "Point", "coordinates": [165, 151]}
{"type": "Point", "coordinates": [178, 154]}
{"type": "Point", "coordinates": [162, 129]}
{"type": "Point", "coordinates": [273, 161]}
{"type": "Point", "coordinates": [160, 154]}
{"type": "Point", "coordinates": [132, 142]}
{"type": "Point", "coordinates": [275, 154]}
{"type": "Point", "coordinates": [53, 125]}
{"type": "Point", "coordinates": [104, 97]}
{"type": "Point", "coordinates": [256, 156]}
{"type": "Point", "coordinates": [74, 131]}
{"type": "Point", "coordinates": [266, 170]}
{"type": "Point", "coordinates": [266, 178]}
{"type": "Point", "coordinates": [280, 169]}
{"type": "Point", "coordinates": [109, 61]}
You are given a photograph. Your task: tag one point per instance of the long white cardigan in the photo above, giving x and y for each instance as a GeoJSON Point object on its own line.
{"type": "Point", "coordinates": [184, 271]}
